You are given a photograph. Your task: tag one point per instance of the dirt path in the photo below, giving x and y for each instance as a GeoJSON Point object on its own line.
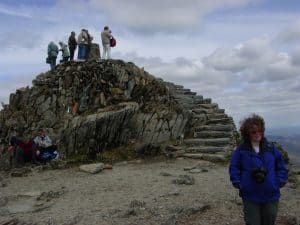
{"type": "Point", "coordinates": [137, 192]}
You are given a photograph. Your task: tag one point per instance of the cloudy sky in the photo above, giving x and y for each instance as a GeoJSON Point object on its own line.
{"type": "Point", "coordinates": [244, 54]}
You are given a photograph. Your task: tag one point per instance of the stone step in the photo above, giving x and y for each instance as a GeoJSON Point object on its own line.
{"type": "Point", "coordinates": [208, 111]}
{"type": "Point", "coordinates": [208, 106]}
{"type": "Point", "coordinates": [216, 116]}
{"type": "Point", "coordinates": [215, 127]}
{"type": "Point", "coordinates": [190, 93]}
{"type": "Point", "coordinates": [198, 97]}
{"type": "Point", "coordinates": [199, 120]}
{"type": "Point", "coordinates": [175, 88]}
{"type": "Point", "coordinates": [212, 134]}
{"type": "Point", "coordinates": [179, 86]}
{"type": "Point", "coordinates": [220, 111]}
{"type": "Point", "coordinates": [203, 111]}
{"type": "Point", "coordinates": [205, 117]}
{"type": "Point", "coordinates": [186, 100]}
{"type": "Point", "coordinates": [183, 92]}
{"type": "Point", "coordinates": [207, 142]}
{"type": "Point", "coordinates": [204, 149]}
{"type": "Point", "coordinates": [219, 121]}
{"type": "Point", "coordinates": [207, 100]}
{"type": "Point", "coordinates": [207, 157]}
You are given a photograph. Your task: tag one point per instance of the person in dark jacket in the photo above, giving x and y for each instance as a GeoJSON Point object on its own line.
{"type": "Point", "coordinates": [88, 46]}
{"type": "Point", "coordinates": [257, 169]}
{"type": "Point", "coordinates": [72, 45]}
{"type": "Point", "coordinates": [52, 54]}
{"type": "Point", "coordinates": [21, 151]}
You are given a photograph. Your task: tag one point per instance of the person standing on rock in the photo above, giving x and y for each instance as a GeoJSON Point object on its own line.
{"type": "Point", "coordinates": [105, 37]}
{"type": "Point", "coordinates": [72, 45]}
{"type": "Point", "coordinates": [52, 54]}
{"type": "Point", "coordinates": [258, 170]}
{"type": "Point", "coordinates": [82, 44]}
{"type": "Point", "coordinates": [65, 51]}
{"type": "Point", "coordinates": [88, 46]}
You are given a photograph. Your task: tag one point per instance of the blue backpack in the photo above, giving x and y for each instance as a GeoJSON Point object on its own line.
{"type": "Point", "coordinates": [47, 155]}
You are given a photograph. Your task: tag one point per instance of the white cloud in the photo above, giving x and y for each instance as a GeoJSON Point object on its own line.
{"type": "Point", "coordinates": [256, 61]}
{"type": "Point", "coordinates": [161, 16]}
{"type": "Point", "coordinates": [290, 35]}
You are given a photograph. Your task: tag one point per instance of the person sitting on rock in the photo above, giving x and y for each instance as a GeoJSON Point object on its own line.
{"type": "Point", "coordinates": [46, 151]}
{"type": "Point", "coordinates": [65, 52]}
{"type": "Point", "coordinates": [21, 151]}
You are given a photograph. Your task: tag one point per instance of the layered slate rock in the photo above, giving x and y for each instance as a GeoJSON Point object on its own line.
{"type": "Point", "coordinates": [88, 107]}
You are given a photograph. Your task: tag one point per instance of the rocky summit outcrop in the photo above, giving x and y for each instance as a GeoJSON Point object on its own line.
{"type": "Point", "coordinates": [88, 107]}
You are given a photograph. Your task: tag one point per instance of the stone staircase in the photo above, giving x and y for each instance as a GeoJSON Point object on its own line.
{"type": "Point", "coordinates": [210, 133]}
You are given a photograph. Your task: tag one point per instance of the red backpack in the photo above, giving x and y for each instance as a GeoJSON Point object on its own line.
{"type": "Point", "coordinates": [113, 42]}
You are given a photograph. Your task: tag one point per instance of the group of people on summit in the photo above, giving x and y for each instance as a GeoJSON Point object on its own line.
{"type": "Point", "coordinates": [83, 41]}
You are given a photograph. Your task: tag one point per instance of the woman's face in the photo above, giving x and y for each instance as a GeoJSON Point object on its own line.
{"type": "Point", "coordinates": [256, 134]}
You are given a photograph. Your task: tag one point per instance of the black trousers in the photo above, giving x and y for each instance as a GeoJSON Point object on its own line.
{"type": "Point", "coordinates": [260, 213]}
{"type": "Point", "coordinates": [72, 51]}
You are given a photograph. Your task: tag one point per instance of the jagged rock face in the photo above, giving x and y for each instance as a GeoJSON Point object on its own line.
{"type": "Point", "coordinates": [89, 106]}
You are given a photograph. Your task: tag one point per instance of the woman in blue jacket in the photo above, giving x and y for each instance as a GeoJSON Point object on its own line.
{"type": "Point", "coordinates": [257, 169]}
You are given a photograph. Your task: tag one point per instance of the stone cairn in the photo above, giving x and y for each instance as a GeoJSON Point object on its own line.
{"type": "Point", "coordinates": [88, 107]}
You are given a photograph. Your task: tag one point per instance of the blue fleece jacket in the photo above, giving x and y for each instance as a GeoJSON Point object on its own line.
{"type": "Point", "coordinates": [242, 163]}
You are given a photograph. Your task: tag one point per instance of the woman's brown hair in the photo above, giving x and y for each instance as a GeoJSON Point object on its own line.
{"type": "Point", "coordinates": [247, 124]}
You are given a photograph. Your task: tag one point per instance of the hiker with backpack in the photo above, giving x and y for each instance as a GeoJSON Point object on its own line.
{"type": "Point", "coordinates": [52, 54]}
{"type": "Point", "coordinates": [106, 37]}
{"type": "Point", "coordinates": [46, 151]}
{"type": "Point", "coordinates": [258, 171]}
{"type": "Point", "coordinates": [65, 52]}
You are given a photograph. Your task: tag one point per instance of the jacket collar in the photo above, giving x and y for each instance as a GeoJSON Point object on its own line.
{"type": "Point", "coordinates": [265, 145]}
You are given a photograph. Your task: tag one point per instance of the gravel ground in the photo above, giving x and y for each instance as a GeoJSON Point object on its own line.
{"type": "Point", "coordinates": [136, 192]}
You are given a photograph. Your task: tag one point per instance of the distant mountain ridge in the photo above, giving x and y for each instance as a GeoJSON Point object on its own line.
{"type": "Point", "coordinates": [291, 143]}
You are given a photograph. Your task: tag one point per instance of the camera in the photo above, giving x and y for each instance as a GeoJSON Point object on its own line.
{"type": "Point", "coordinates": [259, 174]}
